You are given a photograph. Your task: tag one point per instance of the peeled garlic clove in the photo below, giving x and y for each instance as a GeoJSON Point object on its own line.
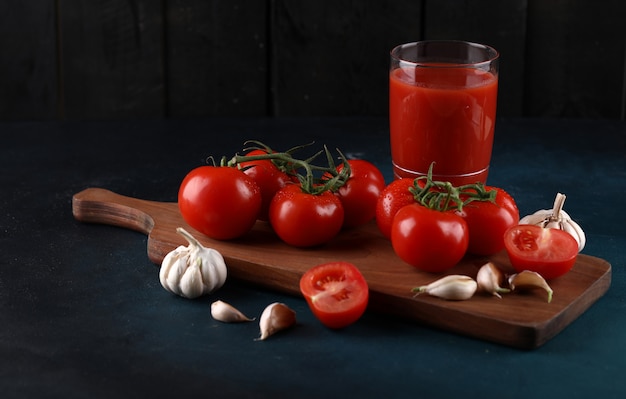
{"type": "Point", "coordinates": [224, 312]}
{"type": "Point", "coordinates": [489, 279]}
{"type": "Point", "coordinates": [276, 317]}
{"type": "Point", "coordinates": [528, 279]}
{"type": "Point", "coordinates": [454, 287]}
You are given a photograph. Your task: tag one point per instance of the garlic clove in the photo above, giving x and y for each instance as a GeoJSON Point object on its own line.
{"type": "Point", "coordinates": [224, 312]}
{"type": "Point", "coordinates": [490, 278]}
{"type": "Point", "coordinates": [529, 279]}
{"type": "Point", "coordinates": [276, 317]}
{"type": "Point", "coordinates": [557, 218]}
{"type": "Point", "coordinates": [192, 271]}
{"type": "Point", "coordinates": [190, 283]}
{"type": "Point", "coordinates": [454, 287]}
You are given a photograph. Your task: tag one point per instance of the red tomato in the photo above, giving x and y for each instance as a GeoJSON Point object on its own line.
{"type": "Point", "coordinates": [549, 252]}
{"type": "Point", "coordinates": [429, 240]}
{"type": "Point", "coordinates": [269, 178]}
{"type": "Point", "coordinates": [487, 222]}
{"type": "Point", "coordinates": [393, 197]}
{"type": "Point", "coordinates": [221, 202]}
{"type": "Point", "coordinates": [305, 220]}
{"type": "Point", "coordinates": [360, 193]}
{"type": "Point", "coordinates": [336, 292]}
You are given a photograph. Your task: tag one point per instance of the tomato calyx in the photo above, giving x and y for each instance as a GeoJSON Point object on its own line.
{"type": "Point", "coordinates": [443, 196]}
{"type": "Point", "coordinates": [313, 178]}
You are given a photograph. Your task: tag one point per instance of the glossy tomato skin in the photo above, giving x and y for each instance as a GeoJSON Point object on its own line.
{"type": "Point", "coordinates": [305, 220]}
{"type": "Point", "coordinates": [268, 177]}
{"type": "Point", "coordinates": [393, 197]}
{"type": "Point", "coordinates": [429, 240]}
{"type": "Point", "coordinates": [336, 292]}
{"type": "Point", "coordinates": [488, 221]}
{"type": "Point", "coordinates": [220, 202]}
{"type": "Point", "coordinates": [360, 193]}
{"type": "Point", "coordinates": [549, 252]}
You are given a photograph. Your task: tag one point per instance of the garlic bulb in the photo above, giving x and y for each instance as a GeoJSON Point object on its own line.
{"type": "Point", "coordinates": [224, 312]}
{"type": "Point", "coordinates": [489, 279]}
{"type": "Point", "coordinates": [192, 271]}
{"type": "Point", "coordinates": [276, 317]}
{"type": "Point", "coordinates": [454, 287]}
{"type": "Point", "coordinates": [557, 218]}
{"type": "Point", "coordinates": [528, 279]}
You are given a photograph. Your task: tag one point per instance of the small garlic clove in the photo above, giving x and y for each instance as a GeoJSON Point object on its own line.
{"type": "Point", "coordinates": [490, 278]}
{"type": "Point", "coordinates": [454, 287]}
{"type": "Point", "coordinates": [224, 312]}
{"type": "Point", "coordinates": [529, 279]}
{"type": "Point", "coordinates": [276, 317]}
{"type": "Point", "coordinates": [190, 283]}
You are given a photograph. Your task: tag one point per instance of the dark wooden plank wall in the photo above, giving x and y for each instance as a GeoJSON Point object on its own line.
{"type": "Point", "coordinates": [100, 59]}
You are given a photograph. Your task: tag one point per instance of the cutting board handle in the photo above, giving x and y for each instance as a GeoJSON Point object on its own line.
{"type": "Point", "coordinates": [97, 205]}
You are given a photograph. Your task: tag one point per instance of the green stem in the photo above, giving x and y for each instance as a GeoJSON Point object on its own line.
{"type": "Point", "coordinates": [443, 196]}
{"type": "Point", "coordinates": [308, 182]}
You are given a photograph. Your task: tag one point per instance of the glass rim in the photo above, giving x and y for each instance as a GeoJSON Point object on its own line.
{"type": "Point", "coordinates": [494, 54]}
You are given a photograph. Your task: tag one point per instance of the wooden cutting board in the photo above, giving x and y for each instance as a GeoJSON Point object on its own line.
{"type": "Point", "coordinates": [520, 319]}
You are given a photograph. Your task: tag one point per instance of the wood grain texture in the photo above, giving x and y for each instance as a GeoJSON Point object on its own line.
{"type": "Point", "coordinates": [522, 320]}
{"type": "Point", "coordinates": [28, 69]}
{"type": "Point", "coordinates": [111, 58]}
{"type": "Point", "coordinates": [217, 55]}
{"type": "Point", "coordinates": [575, 59]}
{"type": "Point", "coordinates": [332, 58]}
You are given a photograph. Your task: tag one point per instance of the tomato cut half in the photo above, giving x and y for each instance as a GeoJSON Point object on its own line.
{"type": "Point", "coordinates": [549, 252]}
{"type": "Point", "coordinates": [336, 292]}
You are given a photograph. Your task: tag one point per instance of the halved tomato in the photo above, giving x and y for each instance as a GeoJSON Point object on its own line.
{"type": "Point", "coordinates": [336, 292]}
{"type": "Point", "coordinates": [549, 252]}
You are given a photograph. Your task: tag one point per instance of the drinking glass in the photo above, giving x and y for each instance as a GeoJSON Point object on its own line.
{"type": "Point", "coordinates": [442, 109]}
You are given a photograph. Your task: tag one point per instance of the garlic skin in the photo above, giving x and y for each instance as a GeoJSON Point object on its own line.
{"type": "Point", "coordinates": [192, 271]}
{"type": "Point", "coordinates": [557, 218]}
{"type": "Point", "coordinates": [528, 279]}
{"type": "Point", "coordinates": [454, 287]}
{"type": "Point", "coordinates": [490, 278]}
{"type": "Point", "coordinates": [224, 312]}
{"type": "Point", "coordinates": [276, 317]}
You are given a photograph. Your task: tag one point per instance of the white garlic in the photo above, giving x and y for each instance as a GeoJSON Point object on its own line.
{"type": "Point", "coordinates": [224, 312]}
{"type": "Point", "coordinates": [490, 278]}
{"type": "Point", "coordinates": [276, 317]}
{"type": "Point", "coordinates": [529, 279]}
{"type": "Point", "coordinates": [192, 271]}
{"type": "Point", "coordinates": [557, 218]}
{"type": "Point", "coordinates": [454, 287]}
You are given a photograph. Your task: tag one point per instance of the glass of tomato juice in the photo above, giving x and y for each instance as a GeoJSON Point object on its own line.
{"type": "Point", "coordinates": [442, 109]}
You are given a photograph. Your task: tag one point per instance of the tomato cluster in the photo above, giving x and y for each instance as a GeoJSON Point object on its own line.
{"type": "Point", "coordinates": [303, 209]}
{"type": "Point", "coordinates": [432, 225]}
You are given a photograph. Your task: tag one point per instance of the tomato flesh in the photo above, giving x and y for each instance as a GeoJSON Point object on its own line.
{"type": "Point", "coordinates": [549, 252]}
{"type": "Point", "coordinates": [336, 293]}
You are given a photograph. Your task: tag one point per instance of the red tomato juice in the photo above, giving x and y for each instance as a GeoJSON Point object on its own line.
{"type": "Point", "coordinates": [442, 115]}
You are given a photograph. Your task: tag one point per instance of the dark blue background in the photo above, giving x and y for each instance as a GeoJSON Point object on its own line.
{"type": "Point", "coordinates": [82, 312]}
